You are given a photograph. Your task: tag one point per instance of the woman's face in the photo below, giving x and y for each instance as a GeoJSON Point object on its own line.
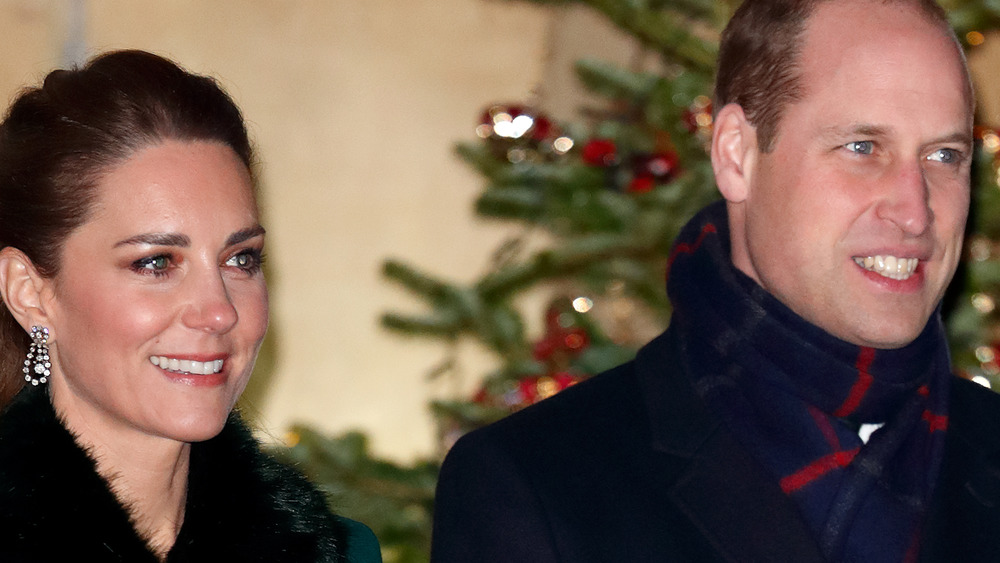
{"type": "Point", "coordinates": [160, 306]}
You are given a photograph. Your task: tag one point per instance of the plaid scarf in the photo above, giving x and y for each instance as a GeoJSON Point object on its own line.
{"type": "Point", "coordinates": [795, 396]}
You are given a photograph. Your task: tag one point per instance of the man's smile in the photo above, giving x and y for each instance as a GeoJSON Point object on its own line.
{"type": "Point", "coordinates": [889, 266]}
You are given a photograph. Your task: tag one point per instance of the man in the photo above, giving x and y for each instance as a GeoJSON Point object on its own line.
{"type": "Point", "coordinates": [800, 406]}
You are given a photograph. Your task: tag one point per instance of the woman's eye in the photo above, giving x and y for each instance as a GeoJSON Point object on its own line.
{"type": "Point", "coordinates": [861, 147]}
{"type": "Point", "coordinates": [249, 260]}
{"type": "Point", "coordinates": [156, 265]}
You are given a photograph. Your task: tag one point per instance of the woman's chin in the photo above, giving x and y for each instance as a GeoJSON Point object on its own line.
{"type": "Point", "coordinates": [196, 428]}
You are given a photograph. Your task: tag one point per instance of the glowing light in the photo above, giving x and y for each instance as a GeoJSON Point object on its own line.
{"type": "Point", "coordinates": [562, 145]}
{"type": "Point", "coordinates": [292, 439]}
{"type": "Point", "coordinates": [583, 304]}
{"type": "Point", "coordinates": [703, 119]}
{"type": "Point", "coordinates": [975, 38]}
{"type": "Point", "coordinates": [504, 129]}
{"type": "Point", "coordinates": [521, 124]}
{"type": "Point", "coordinates": [982, 381]}
{"type": "Point", "coordinates": [702, 102]}
{"type": "Point", "coordinates": [983, 303]}
{"type": "Point", "coordinates": [516, 155]}
{"type": "Point", "coordinates": [511, 127]}
{"type": "Point", "coordinates": [546, 387]}
{"type": "Point", "coordinates": [979, 250]}
{"type": "Point", "coordinates": [484, 131]}
{"type": "Point", "coordinates": [991, 142]}
{"type": "Point", "coordinates": [985, 354]}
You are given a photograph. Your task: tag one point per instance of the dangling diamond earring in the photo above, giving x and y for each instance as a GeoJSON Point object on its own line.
{"type": "Point", "coordinates": [36, 366]}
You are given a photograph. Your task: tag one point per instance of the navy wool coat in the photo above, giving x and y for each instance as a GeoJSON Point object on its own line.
{"type": "Point", "coordinates": [631, 466]}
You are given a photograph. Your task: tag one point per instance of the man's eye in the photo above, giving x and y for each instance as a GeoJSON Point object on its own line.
{"type": "Point", "coordinates": [946, 156]}
{"type": "Point", "coordinates": [860, 147]}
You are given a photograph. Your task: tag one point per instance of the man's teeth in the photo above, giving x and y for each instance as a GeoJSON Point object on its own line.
{"type": "Point", "coordinates": [889, 266]}
{"type": "Point", "coordinates": [186, 366]}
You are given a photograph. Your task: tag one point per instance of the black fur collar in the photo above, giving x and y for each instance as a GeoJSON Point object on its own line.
{"type": "Point", "coordinates": [242, 505]}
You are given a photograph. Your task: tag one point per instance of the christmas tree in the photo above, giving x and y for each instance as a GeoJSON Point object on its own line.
{"type": "Point", "coordinates": [594, 206]}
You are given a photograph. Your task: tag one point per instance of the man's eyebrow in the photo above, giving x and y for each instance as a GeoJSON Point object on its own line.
{"type": "Point", "coordinates": [858, 129]}
{"type": "Point", "coordinates": [157, 239]}
{"type": "Point", "coordinates": [962, 137]}
{"type": "Point", "coordinates": [244, 235]}
{"type": "Point", "coordinates": [876, 131]}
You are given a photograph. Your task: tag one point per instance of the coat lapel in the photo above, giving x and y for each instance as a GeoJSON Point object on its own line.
{"type": "Point", "coordinates": [725, 493]}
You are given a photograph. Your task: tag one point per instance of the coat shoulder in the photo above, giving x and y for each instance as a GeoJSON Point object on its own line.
{"type": "Point", "coordinates": [552, 482]}
{"type": "Point", "coordinates": [267, 510]}
{"type": "Point", "coordinates": [599, 411]}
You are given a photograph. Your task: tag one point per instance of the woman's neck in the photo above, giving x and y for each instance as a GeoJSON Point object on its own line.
{"type": "Point", "coordinates": [147, 474]}
{"type": "Point", "coordinates": [152, 485]}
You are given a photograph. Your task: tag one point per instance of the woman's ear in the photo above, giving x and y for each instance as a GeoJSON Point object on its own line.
{"type": "Point", "coordinates": [734, 148]}
{"type": "Point", "coordinates": [23, 289]}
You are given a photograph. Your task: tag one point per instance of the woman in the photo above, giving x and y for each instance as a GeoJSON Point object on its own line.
{"type": "Point", "coordinates": [134, 306]}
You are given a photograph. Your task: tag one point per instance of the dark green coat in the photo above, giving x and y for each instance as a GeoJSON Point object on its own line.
{"type": "Point", "coordinates": [242, 505]}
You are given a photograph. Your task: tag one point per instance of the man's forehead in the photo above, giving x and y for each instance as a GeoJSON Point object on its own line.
{"type": "Point", "coordinates": [877, 36]}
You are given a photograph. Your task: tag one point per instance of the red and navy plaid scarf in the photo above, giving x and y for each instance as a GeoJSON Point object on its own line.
{"type": "Point", "coordinates": [794, 396]}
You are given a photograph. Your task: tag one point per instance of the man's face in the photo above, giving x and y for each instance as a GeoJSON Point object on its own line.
{"type": "Point", "coordinates": [855, 219]}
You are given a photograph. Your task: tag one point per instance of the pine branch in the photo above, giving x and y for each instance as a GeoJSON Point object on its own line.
{"type": "Point", "coordinates": [429, 325]}
{"type": "Point", "coordinates": [571, 258]}
{"type": "Point", "coordinates": [666, 33]}
{"type": "Point", "coordinates": [972, 15]}
{"type": "Point", "coordinates": [614, 82]}
{"type": "Point", "coordinates": [422, 284]}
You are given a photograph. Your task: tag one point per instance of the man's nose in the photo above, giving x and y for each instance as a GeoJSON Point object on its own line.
{"type": "Point", "coordinates": [906, 201]}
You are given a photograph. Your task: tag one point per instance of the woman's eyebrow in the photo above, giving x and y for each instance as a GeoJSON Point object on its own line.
{"type": "Point", "coordinates": [245, 234]}
{"type": "Point", "coordinates": [157, 239]}
{"type": "Point", "coordinates": [174, 239]}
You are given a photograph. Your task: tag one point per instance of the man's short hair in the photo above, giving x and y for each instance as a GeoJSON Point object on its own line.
{"type": "Point", "coordinates": [759, 56]}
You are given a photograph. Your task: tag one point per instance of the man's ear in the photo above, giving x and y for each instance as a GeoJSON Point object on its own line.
{"type": "Point", "coordinates": [23, 289]}
{"type": "Point", "coordinates": [734, 148]}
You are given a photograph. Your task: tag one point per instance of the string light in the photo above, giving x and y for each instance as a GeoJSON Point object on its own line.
{"type": "Point", "coordinates": [991, 142]}
{"type": "Point", "coordinates": [583, 304]}
{"type": "Point", "coordinates": [983, 303]}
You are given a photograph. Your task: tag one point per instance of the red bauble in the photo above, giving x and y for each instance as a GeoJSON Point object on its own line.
{"type": "Point", "coordinates": [544, 348]}
{"type": "Point", "coordinates": [641, 184]}
{"type": "Point", "coordinates": [576, 340]}
{"type": "Point", "coordinates": [570, 340]}
{"type": "Point", "coordinates": [690, 120]}
{"type": "Point", "coordinates": [599, 152]}
{"type": "Point", "coordinates": [651, 169]}
{"type": "Point", "coordinates": [542, 128]}
{"type": "Point", "coordinates": [481, 396]}
{"type": "Point", "coordinates": [528, 388]}
{"type": "Point", "coordinates": [564, 379]}
{"type": "Point", "coordinates": [660, 166]}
